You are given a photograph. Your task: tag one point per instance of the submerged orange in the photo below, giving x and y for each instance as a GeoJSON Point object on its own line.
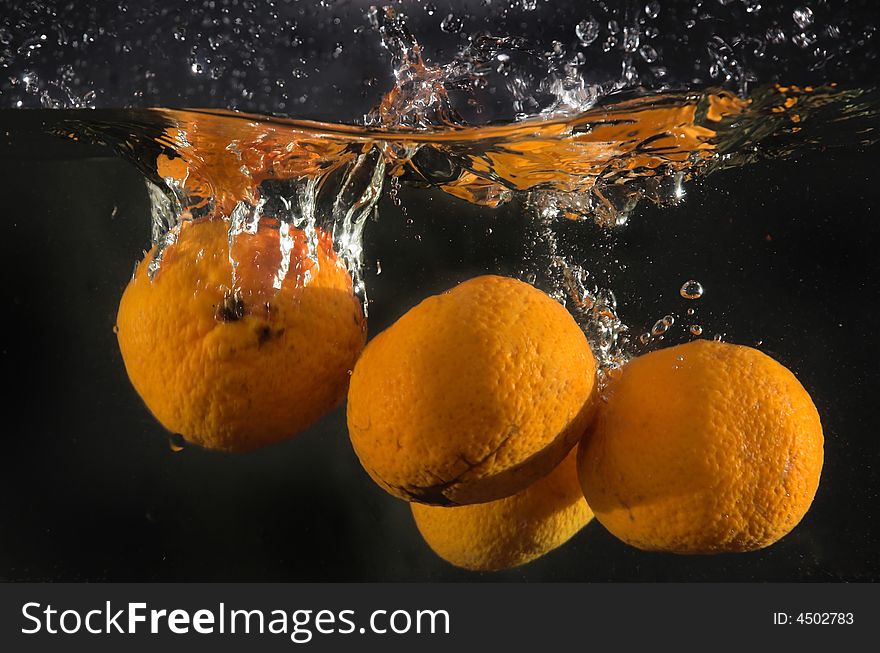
{"type": "Point", "coordinates": [238, 346]}
{"type": "Point", "coordinates": [702, 448]}
{"type": "Point", "coordinates": [472, 395]}
{"type": "Point", "coordinates": [508, 532]}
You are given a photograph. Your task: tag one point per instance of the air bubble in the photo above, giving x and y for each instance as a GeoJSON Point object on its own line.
{"type": "Point", "coordinates": [691, 289]}
{"type": "Point", "coordinates": [451, 24]}
{"type": "Point", "coordinates": [587, 31]}
{"type": "Point", "coordinates": [648, 53]}
{"type": "Point", "coordinates": [662, 325]}
{"type": "Point", "coordinates": [804, 40]}
{"type": "Point", "coordinates": [775, 35]}
{"type": "Point", "coordinates": [630, 39]}
{"type": "Point", "coordinates": [803, 17]}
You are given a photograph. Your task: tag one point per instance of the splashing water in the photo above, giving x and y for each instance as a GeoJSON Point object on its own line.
{"type": "Point", "coordinates": [572, 144]}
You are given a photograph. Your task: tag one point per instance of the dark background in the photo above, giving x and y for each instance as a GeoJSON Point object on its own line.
{"type": "Point", "coordinates": [91, 490]}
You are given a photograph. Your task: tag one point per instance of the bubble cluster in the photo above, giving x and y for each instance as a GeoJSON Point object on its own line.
{"type": "Point", "coordinates": [321, 59]}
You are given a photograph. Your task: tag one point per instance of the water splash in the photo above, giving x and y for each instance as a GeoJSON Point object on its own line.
{"type": "Point", "coordinates": [595, 166]}
{"type": "Point", "coordinates": [575, 144]}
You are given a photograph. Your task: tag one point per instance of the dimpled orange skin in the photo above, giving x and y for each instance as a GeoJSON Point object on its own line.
{"type": "Point", "coordinates": [508, 532]}
{"type": "Point", "coordinates": [472, 395]}
{"type": "Point", "coordinates": [236, 368]}
{"type": "Point", "coordinates": [706, 447]}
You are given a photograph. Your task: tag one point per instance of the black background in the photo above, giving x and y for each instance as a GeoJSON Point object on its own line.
{"type": "Point", "coordinates": [91, 490]}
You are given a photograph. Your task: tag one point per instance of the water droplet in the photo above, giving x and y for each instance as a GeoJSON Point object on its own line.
{"type": "Point", "coordinates": [775, 35]}
{"type": "Point", "coordinates": [691, 311]}
{"type": "Point", "coordinates": [804, 40]}
{"type": "Point", "coordinates": [529, 5]}
{"type": "Point", "coordinates": [652, 9]}
{"type": "Point", "coordinates": [660, 72]}
{"type": "Point", "coordinates": [630, 74]}
{"type": "Point", "coordinates": [451, 24]}
{"type": "Point", "coordinates": [31, 45]}
{"type": "Point", "coordinates": [717, 337]}
{"type": "Point", "coordinates": [631, 39]}
{"type": "Point", "coordinates": [696, 329]}
{"type": "Point", "coordinates": [587, 30]}
{"type": "Point", "coordinates": [662, 325]}
{"type": "Point", "coordinates": [691, 289]}
{"type": "Point", "coordinates": [649, 54]}
{"type": "Point", "coordinates": [176, 442]}
{"type": "Point", "coordinates": [645, 338]}
{"type": "Point", "coordinates": [31, 82]}
{"type": "Point", "coordinates": [803, 17]}
{"type": "Point", "coordinates": [832, 31]}
{"type": "Point", "coordinates": [116, 328]}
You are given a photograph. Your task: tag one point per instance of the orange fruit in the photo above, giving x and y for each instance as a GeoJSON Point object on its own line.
{"type": "Point", "coordinates": [472, 395]}
{"type": "Point", "coordinates": [238, 358]}
{"type": "Point", "coordinates": [703, 448]}
{"type": "Point", "coordinates": [508, 532]}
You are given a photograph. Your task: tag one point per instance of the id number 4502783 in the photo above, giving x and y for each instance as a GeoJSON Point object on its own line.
{"type": "Point", "coordinates": [814, 618]}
